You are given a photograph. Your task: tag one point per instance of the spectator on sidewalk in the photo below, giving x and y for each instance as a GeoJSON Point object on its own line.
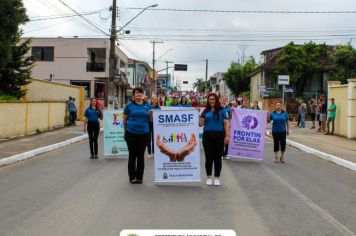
{"type": "Point", "coordinates": [302, 111]}
{"type": "Point", "coordinates": [323, 113]}
{"type": "Point", "coordinates": [280, 130]}
{"type": "Point", "coordinates": [331, 117]}
{"type": "Point", "coordinates": [72, 111]}
{"type": "Point", "coordinates": [318, 114]}
{"type": "Point", "coordinates": [76, 113]}
{"type": "Point", "coordinates": [92, 124]}
{"type": "Point", "coordinates": [299, 115]}
{"type": "Point", "coordinates": [313, 105]}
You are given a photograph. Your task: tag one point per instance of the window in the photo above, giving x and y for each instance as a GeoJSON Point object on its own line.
{"type": "Point", "coordinates": [99, 89]}
{"type": "Point", "coordinates": [85, 84]}
{"type": "Point", "coordinates": [96, 59]}
{"type": "Point", "coordinates": [270, 82]}
{"type": "Point", "coordinates": [43, 53]}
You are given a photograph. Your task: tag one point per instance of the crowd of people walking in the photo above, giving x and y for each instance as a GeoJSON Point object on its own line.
{"type": "Point", "coordinates": [215, 120]}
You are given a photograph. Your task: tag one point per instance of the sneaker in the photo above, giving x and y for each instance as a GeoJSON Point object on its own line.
{"type": "Point", "coordinates": [138, 181]}
{"type": "Point", "coordinates": [228, 158]}
{"type": "Point", "coordinates": [209, 182]}
{"type": "Point", "coordinates": [224, 157]}
{"type": "Point", "coordinates": [91, 157]}
{"type": "Point", "coordinates": [150, 156]}
{"type": "Point", "coordinates": [217, 182]}
{"type": "Point", "coordinates": [96, 157]}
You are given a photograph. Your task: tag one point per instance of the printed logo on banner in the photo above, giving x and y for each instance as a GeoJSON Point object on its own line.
{"type": "Point", "coordinates": [116, 121]}
{"type": "Point", "coordinates": [249, 122]}
{"type": "Point", "coordinates": [175, 138]}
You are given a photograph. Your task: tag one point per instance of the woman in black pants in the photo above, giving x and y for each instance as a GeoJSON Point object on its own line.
{"type": "Point", "coordinates": [215, 135]}
{"type": "Point", "coordinates": [136, 125]}
{"type": "Point", "coordinates": [91, 124]}
{"type": "Point", "coordinates": [280, 130]}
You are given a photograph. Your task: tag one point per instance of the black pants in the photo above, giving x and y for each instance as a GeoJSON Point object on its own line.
{"type": "Point", "coordinates": [136, 144]}
{"type": "Point", "coordinates": [72, 117]}
{"type": "Point", "coordinates": [299, 118]}
{"type": "Point", "coordinates": [213, 143]}
{"type": "Point", "coordinates": [93, 129]}
{"type": "Point", "coordinates": [279, 140]}
{"type": "Point", "coordinates": [150, 143]}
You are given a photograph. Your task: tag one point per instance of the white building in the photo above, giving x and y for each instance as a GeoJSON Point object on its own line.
{"type": "Point", "coordinates": [80, 61]}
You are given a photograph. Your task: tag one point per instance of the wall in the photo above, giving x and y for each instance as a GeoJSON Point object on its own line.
{"type": "Point", "coordinates": [23, 118]}
{"type": "Point", "coordinates": [340, 95]}
{"type": "Point", "coordinates": [270, 104]}
{"type": "Point", "coordinates": [345, 100]}
{"type": "Point", "coordinates": [40, 90]}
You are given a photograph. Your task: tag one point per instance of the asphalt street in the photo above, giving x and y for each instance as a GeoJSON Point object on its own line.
{"type": "Point", "coordinates": [65, 193]}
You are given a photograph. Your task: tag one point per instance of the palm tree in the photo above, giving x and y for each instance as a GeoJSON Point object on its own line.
{"type": "Point", "coordinates": [201, 85]}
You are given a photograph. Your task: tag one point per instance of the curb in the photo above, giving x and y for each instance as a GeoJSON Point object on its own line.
{"type": "Point", "coordinates": [337, 160]}
{"type": "Point", "coordinates": [30, 154]}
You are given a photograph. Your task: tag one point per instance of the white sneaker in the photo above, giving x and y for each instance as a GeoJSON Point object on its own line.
{"type": "Point", "coordinates": [209, 182]}
{"type": "Point", "coordinates": [217, 182]}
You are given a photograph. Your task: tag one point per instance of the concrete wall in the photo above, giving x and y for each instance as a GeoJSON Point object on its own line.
{"type": "Point", "coordinates": [339, 93]}
{"type": "Point", "coordinates": [23, 118]}
{"type": "Point", "coordinates": [40, 90]}
{"type": "Point", "coordinates": [345, 100]}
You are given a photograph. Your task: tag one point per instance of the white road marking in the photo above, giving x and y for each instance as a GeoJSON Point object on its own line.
{"type": "Point", "coordinates": [340, 227]}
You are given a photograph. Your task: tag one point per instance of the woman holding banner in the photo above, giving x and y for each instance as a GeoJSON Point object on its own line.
{"type": "Point", "coordinates": [216, 134]}
{"type": "Point", "coordinates": [92, 124]}
{"type": "Point", "coordinates": [136, 125]}
{"type": "Point", "coordinates": [280, 130]}
{"type": "Point", "coordinates": [150, 144]}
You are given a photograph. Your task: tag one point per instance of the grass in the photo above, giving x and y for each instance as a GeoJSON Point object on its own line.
{"type": "Point", "coordinates": [8, 98]}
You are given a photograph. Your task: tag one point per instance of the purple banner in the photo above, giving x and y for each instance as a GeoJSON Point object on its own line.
{"type": "Point", "coordinates": [247, 134]}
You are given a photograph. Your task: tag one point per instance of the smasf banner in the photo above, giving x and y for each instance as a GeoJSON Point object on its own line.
{"type": "Point", "coordinates": [247, 134]}
{"type": "Point", "coordinates": [114, 142]}
{"type": "Point", "coordinates": [176, 139]}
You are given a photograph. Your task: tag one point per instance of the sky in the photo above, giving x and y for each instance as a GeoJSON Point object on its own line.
{"type": "Point", "coordinates": [191, 37]}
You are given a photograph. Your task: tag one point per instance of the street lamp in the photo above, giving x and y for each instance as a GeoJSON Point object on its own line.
{"type": "Point", "coordinates": [144, 9]}
{"type": "Point", "coordinates": [165, 53]}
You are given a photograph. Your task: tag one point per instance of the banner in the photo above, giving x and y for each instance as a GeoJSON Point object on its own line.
{"type": "Point", "coordinates": [247, 134]}
{"type": "Point", "coordinates": [114, 142]}
{"type": "Point", "coordinates": [176, 139]}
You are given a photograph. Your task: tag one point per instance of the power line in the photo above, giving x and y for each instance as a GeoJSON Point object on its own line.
{"type": "Point", "coordinates": [92, 24]}
{"type": "Point", "coordinates": [40, 18]}
{"type": "Point", "coordinates": [244, 11]}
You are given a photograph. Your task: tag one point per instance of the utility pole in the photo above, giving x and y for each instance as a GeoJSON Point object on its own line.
{"type": "Point", "coordinates": [153, 66]}
{"type": "Point", "coordinates": [110, 87]}
{"type": "Point", "coordinates": [167, 62]}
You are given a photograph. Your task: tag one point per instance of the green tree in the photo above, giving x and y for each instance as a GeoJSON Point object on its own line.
{"type": "Point", "coordinates": [201, 85]}
{"type": "Point", "coordinates": [344, 63]}
{"type": "Point", "coordinates": [302, 62]}
{"type": "Point", "coordinates": [15, 68]}
{"type": "Point", "coordinates": [237, 78]}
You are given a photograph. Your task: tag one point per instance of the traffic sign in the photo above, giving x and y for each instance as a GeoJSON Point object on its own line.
{"type": "Point", "coordinates": [283, 79]}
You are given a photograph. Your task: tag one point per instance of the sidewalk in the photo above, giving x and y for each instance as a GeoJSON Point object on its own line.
{"type": "Point", "coordinates": [23, 144]}
{"type": "Point", "coordinates": [332, 144]}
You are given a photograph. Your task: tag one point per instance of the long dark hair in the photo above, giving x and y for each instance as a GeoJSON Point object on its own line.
{"type": "Point", "coordinates": [186, 100]}
{"type": "Point", "coordinates": [96, 105]}
{"type": "Point", "coordinates": [217, 106]}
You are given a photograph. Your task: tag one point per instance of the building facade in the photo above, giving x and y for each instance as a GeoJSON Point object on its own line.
{"type": "Point", "coordinates": [82, 62]}
{"type": "Point", "coordinates": [138, 75]}
{"type": "Point", "coordinates": [264, 76]}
